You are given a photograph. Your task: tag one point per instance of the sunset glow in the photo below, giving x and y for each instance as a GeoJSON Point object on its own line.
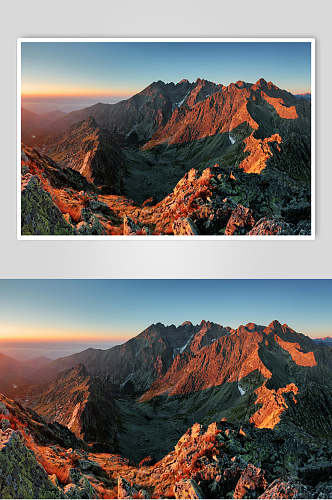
{"type": "Point", "coordinates": [12, 332]}
{"type": "Point", "coordinates": [120, 69]}
{"type": "Point", "coordinates": [116, 310]}
{"type": "Point", "coordinates": [42, 91]}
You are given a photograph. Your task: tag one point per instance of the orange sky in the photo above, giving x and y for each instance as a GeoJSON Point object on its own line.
{"type": "Point", "coordinates": [11, 332]}
{"type": "Point", "coordinates": [18, 333]}
{"type": "Point", "coordinates": [33, 89]}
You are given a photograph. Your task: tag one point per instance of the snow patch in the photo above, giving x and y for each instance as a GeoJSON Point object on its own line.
{"type": "Point", "coordinates": [74, 415]}
{"type": "Point", "coordinates": [179, 103]}
{"type": "Point", "coordinates": [232, 140]}
{"type": "Point", "coordinates": [130, 376]}
{"type": "Point", "coordinates": [186, 344]}
{"type": "Point", "coordinates": [242, 391]}
{"type": "Point", "coordinates": [85, 161]}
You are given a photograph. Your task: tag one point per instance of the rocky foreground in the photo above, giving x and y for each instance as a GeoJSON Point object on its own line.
{"type": "Point", "coordinates": [214, 201]}
{"type": "Point", "coordinates": [222, 460]}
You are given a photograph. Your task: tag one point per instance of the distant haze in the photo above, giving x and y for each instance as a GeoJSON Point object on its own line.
{"type": "Point", "coordinates": [65, 103]}
{"type": "Point", "coordinates": [29, 350]}
{"type": "Point", "coordinates": [71, 315]}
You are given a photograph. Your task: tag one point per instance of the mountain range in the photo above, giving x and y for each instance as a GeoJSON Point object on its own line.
{"type": "Point", "coordinates": [189, 411]}
{"type": "Point", "coordinates": [327, 340]}
{"type": "Point", "coordinates": [248, 144]}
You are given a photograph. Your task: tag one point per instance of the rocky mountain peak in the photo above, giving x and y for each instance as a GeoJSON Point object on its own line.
{"type": "Point", "coordinates": [251, 326]}
{"type": "Point", "coordinates": [275, 324]}
{"type": "Point", "coordinates": [261, 83]}
{"type": "Point", "coordinates": [205, 325]}
{"type": "Point", "coordinates": [158, 325]}
{"type": "Point", "coordinates": [187, 323]}
{"type": "Point", "coordinates": [183, 81]}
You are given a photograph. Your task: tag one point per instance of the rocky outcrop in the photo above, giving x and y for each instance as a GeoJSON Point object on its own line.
{"type": "Point", "coordinates": [240, 221]}
{"type": "Point", "coordinates": [59, 200]}
{"type": "Point", "coordinates": [90, 224]}
{"type": "Point", "coordinates": [185, 226]}
{"type": "Point", "coordinates": [132, 228]}
{"type": "Point", "coordinates": [251, 482]}
{"type": "Point", "coordinates": [39, 214]}
{"type": "Point", "coordinates": [259, 151]}
{"type": "Point", "coordinates": [21, 475]}
{"type": "Point", "coordinates": [287, 489]}
{"type": "Point", "coordinates": [93, 152]}
{"type": "Point", "coordinates": [226, 461]}
{"type": "Point", "coordinates": [83, 404]}
{"type": "Point", "coordinates": [211, 200]}
{"type": "Point", "coordinates": [40, 460]}
{"type": "Point", "coordinates": [126, 490]}
{"type": "Point", "coordinates": [268, 227]}
{"type": "Point", "coordinates": [272, 404]}
{"type": "Point", "coordinates": [187, 488]}
{"type": "Point", "coordinates": [80, 487]}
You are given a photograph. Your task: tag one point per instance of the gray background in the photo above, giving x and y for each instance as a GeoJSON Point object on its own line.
{"type": "Point", "coordinates": [165, 259]}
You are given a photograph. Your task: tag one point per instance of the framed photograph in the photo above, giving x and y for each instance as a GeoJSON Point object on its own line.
{"type": "Point", "coordinates": [187, 138]}
{"type": "Point", "coordinates": [188, 398]}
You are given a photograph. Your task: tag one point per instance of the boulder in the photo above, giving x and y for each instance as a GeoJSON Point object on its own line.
{"type": "Point", "coordinates": [131, 228]}
{"type": "Point", "coordinates": [286, 489]}
{"type": "Point", "coordinates": [185, 226]}
{"type": "Point", "coordinates": [39, 213]}
{"type": "Point", "coordinates": [267, 226]}
{"type": "Point", "coordinates": [187, 488]}
{"type": "Point", "coordinates": [98, 206]}
{"type": "Point", "coordinates": [240, 221]}
{"type": "Point", "coordinates": [252, 482]}
{"type": "Point", "coordinates": [90, 466]}
{"type": "Point", "coordinates": [3, 409]}
{"type": "Point", "coordinates": [5, 424]}
{"type": "Point", "coordinates": [125, 489]}
{"type": "Point", "coordinates": [79, 487]}
{"type": "Point", "coordinates": [21, 475]}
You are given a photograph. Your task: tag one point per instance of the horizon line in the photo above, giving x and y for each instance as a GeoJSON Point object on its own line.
{"type": "Point", "coordinates": [127, 93]}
